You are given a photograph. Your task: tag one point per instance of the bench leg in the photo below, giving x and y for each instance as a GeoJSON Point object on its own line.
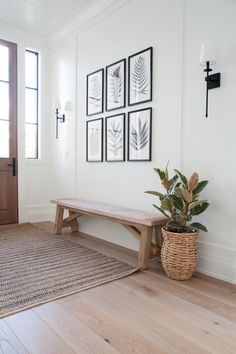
{"type": "Point", "coordinates": [158, 236]}
{"type": "Point", "coordinates": [74, 223]}
{"type": "Point", "coordinates": [58, 220]}
{"type": "Point", "coordinates": [145, 246]}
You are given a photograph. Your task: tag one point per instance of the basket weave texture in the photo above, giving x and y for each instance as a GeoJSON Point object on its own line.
{"type": "Point", "coordinates": [179, 254]}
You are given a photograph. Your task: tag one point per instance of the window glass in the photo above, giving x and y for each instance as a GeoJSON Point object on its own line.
{"type": "Point", "coordinates": [31, 104]}
{"type": "Point", "coordinates": [4, 63]}
{"type": "Point", "coordinates": [4, 100]}
{"type": "Point", "coordinates": [31, 69]}
{"type": "Point", "coordinates": [4, 138]}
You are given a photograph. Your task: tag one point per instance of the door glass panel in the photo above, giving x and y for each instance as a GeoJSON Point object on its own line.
{"type": "Point", "coordinates": [31, 138]}
{"type": "Point", "coordinates": [31, 74]}
{"type": "Point", "coordinates": [4, 63]}
{"type": "Point", "coordinates": [31, 109]}
{"type": "Point", "coordinates": [4, 100]}
{"type": "Point", "coordinates": [4, 138]}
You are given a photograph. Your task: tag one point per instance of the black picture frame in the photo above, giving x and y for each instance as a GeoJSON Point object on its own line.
{"type": "Point", "coordinates": [140, 135]}
{"type": "Point", "coordinates": [140, 77]}
{"type": "Point", "coordinates": [95, 93]}
{"type": "Point", "coordinates": [116, 140]}
{"type": "Point", "coordinates": [116, 95]}
{"type": "Point", "coordinates": [94, 140]}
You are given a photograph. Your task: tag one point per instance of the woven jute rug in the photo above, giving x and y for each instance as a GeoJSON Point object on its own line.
{"type": "Point", "coordinates": [37, 267]}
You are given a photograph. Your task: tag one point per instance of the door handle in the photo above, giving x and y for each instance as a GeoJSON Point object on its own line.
{"type": "Point", "coordinates": [13, 165]}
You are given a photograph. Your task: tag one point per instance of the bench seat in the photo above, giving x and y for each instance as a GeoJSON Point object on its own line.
{"type": "Point", "coordinates": [139, 223]}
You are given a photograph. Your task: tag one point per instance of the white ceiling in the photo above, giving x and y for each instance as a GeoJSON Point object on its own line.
{"type": "Point", "coordinates": [42, 17]}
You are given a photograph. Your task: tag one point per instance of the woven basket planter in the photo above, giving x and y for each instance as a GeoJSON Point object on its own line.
{"type": "Point", "coordinates": [179, 254]}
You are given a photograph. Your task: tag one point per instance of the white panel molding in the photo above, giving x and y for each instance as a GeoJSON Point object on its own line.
{"type": "Point", "coordinates": [93, 15]}
{"type": "Point", "coordinates": [177, 110]}
{"type": "Point", "coordinates": [37, 212]}
{"type": "Point", "coordinates": [217, 261]}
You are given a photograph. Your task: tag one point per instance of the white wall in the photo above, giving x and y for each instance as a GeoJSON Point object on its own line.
{"type": "Point", "coordinates": [209, 144]}
{"type": "Point", "coordinates": [181, 134]}
{"type": "Point", "coordinates": [109, 41]}
{"type": "Point", "coordinates": [63, 149]}
{"type": "Point", "coordinates": [33, 176]}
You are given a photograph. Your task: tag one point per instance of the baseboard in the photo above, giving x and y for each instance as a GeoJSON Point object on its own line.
{"type": "Point", "coordinates": [37, 212]}
{"type": "Point", "coordinates": [51, 212]}
{"type": "Point", "coordinates": [217, 261]}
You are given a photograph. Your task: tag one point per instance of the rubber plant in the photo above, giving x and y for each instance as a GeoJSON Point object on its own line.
{"type": "Point", "coordinates": [181, 200]}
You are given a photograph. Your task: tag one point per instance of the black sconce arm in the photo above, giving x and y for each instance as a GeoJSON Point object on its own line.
{"type": "Point", "coordinates": [59, 118]}
{"type": "Point", "coordinates": [212, 81]}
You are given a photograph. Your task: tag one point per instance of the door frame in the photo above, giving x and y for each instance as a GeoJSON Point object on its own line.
{"type": "Point", "coordinates": [13, 111]}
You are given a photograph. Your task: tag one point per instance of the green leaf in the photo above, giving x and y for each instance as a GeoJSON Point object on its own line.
{"type": "Point", "coordinates": [178, 192]}
{"type": "Point", "coordinates": [157, 194]}
{"type": "Point", "coordinates": [173, 181]}
{"type": "Point", "coordinates": [201, 185]}
{"type": "Point", "coordinates": [176, 201]}
{"type": "Point", "coordinates": [173, 223]}
{"type": "Point", "coordinates": [162, 211]}
{"type": "Point", "coordinates": [183, 178]}
{"type": "Point", "coordinates": [160, 173]}
{"type": "Point", "coordinates": [199, 209]}
{"type": "Point", "coordinates": [166, 205]}
{"type": "Point", "coordinates": [197, 225]}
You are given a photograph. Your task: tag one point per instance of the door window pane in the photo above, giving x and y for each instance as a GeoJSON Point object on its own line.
{"type": "Point", "coordinates": [4, 63]}
{"type": "Point", "coordinates": [31, 106]}
{"type": "Point", "coordinates": [4, 138]}
{"type": "Point", "coordinates": [31, 69]}
{"type": "Point", "coordinates": [31, 140]}
{"type": "Point", "coordinates": [4, 100]}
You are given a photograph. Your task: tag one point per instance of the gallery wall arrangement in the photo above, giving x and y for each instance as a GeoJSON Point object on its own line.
{"type": "Point", "coordinates": [138, 122]}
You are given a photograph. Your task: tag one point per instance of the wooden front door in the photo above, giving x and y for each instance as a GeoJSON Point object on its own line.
{"type": "Point", "coordinates": [8, 133]}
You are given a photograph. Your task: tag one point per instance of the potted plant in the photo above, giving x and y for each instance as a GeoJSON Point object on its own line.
{"type": "Point", "coordinates": [180, 203]}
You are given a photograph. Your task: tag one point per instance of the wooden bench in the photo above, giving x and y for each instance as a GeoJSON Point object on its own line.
{"type": "Point", "coordinates": [139, 223]}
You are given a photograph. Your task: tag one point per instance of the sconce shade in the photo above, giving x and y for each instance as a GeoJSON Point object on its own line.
{"type": "Point", "coordinates": [68, 106]}
{"type": "Point", "coordinates": [56, 104]}
{"type": "Point", "coordinates": [206, 55]}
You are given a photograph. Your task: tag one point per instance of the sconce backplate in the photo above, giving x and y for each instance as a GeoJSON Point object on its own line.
{"type": "Point", "coordinates": [213, 81]}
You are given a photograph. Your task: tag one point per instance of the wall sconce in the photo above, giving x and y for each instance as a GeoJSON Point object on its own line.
{"type": "Point", "coordinates": [207, 58]}
{"type": "Point", "coordinates": [60, 118]}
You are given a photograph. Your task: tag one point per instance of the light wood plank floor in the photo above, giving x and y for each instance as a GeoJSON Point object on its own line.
{"type": "Point", "coordinates": [143, 313]}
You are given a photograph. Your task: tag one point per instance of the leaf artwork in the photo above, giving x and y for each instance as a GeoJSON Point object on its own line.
{"type": "Point", "coordinates": [95, 93]}
{"type": "Point", "coordinates": [140, 77]}
{"type": "Point", "coordinates": [139, 138]}
{"type": "Point", "coordinates": [94, 141]}
{"type": "Point", "coordinates": [115, 138]}
{"type": "Point", "coordinates": [115, 85]}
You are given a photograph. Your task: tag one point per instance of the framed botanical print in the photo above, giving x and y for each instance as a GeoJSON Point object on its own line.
{"type": "Point", "coordinates": [95, 87]}
{"type": "Point", "coordinates": [140, 135]}
{"type": "Point", "coordinates": [115, 85]}
{"type": "Point", "coordinates": [115, 138]}
{"type": "Point", "coordinates": [140, 77]}
{"type": "Point", "coordinates": [94, 140]}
